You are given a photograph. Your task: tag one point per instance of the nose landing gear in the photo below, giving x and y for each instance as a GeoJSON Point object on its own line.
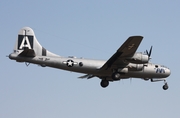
{"type": "Point", "coordinates": [165, 86]}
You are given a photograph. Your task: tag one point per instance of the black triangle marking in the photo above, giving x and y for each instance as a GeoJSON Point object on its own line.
{"type": "Point", "coordinates": [25, 42]}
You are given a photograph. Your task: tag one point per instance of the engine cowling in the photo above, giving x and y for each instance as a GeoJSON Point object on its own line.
{"type": "Point", "coordinates": [135, 67]}
{"type": "Point", "coordinates": [138, 58]}
{"type": "Point", "coordinates": [122, 70]}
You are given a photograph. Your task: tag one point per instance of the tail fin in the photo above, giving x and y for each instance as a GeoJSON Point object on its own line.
{"type": "Point", "coordinates": [28, 45]}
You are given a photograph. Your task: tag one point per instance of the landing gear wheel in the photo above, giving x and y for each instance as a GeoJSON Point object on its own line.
{"type": "Point", "coordinates": [116, 76]}
{"type": "Point", "coordinates": [165, 86]}
{"type": "Point", "coordinates": [104, 83]}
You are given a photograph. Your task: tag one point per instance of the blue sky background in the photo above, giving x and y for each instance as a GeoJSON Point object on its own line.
{"type": "Point", "coordinates": [91, 29]}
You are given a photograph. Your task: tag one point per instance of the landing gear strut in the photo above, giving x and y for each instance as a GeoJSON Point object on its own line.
{"type": "Point", "coordinates": [104, 83]}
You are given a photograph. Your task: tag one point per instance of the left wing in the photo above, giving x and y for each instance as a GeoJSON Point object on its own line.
{"type": "Point", "coordinates": [128, 49]}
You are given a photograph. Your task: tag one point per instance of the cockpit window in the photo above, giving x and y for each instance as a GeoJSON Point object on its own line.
{"type": "Point", "coordinates": [164, 66]}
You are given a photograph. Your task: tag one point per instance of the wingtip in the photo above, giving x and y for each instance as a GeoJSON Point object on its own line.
{"type": "Point", "coordinates": [137, 36]}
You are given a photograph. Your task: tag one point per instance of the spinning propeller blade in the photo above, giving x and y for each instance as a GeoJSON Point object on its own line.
{"type": "Point", "coordinates": [149, 53]}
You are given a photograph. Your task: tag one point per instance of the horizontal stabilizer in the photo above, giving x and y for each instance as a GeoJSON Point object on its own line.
{"type": "Point", "coordinates": [28, 53]}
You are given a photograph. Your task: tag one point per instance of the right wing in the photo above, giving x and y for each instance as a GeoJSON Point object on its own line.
{"type": "Point", "coordinates": [128, 49]}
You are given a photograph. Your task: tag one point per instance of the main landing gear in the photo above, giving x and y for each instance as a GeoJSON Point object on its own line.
{"type": "Point", "coordinates": [104, 83]}
{"type": "Point", "coordinates": [115, 76]}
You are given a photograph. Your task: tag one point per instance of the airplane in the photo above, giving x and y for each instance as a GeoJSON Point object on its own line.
{"type": "Point", "coordinates": [125, 63]}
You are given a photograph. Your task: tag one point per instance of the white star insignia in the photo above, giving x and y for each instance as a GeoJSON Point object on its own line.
{"type": "Point", "coordinates": [70, 63]}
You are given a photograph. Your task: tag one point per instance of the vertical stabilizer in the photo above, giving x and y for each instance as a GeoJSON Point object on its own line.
{"type": "Point", "coordinates": [28, 45]}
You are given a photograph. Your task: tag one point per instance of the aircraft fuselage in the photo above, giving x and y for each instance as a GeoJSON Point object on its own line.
{"type": "Point", "coordinates": [90, 66]}
{"type": "Point", "coordinates": [123, 64]}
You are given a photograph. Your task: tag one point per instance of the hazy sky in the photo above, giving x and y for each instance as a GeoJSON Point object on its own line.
{"type": "Point", "coordinates": [91, 29]}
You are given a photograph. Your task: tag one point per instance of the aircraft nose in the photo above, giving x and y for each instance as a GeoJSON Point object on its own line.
{"type": "Point", "coordinates": [168, 72]}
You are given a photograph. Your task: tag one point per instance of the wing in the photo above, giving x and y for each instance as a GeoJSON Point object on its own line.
{"type": "Point", "coordinates": [126, 50]}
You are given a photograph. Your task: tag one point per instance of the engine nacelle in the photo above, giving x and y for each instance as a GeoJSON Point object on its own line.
{"type": "Point", "coordinates": [138, 58]}
{"type": "Point", "coordinates": [135, 67]}
{"type": "Point", "coordinates": [123, 70]}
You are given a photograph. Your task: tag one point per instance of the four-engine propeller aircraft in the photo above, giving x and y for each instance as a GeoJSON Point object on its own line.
{"type": "Point", "coordinates": [125, 63]}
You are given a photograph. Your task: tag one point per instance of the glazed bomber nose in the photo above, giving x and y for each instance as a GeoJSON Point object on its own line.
{"type": "Point", "coordinates": [168, 72]}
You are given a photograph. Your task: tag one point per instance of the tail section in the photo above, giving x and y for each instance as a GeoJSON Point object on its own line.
{"type": "Point", "coordinates": [28, 45]}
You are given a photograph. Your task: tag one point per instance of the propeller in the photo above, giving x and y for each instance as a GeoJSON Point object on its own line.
{"type": "Point", "coordinates": [149, 53]}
